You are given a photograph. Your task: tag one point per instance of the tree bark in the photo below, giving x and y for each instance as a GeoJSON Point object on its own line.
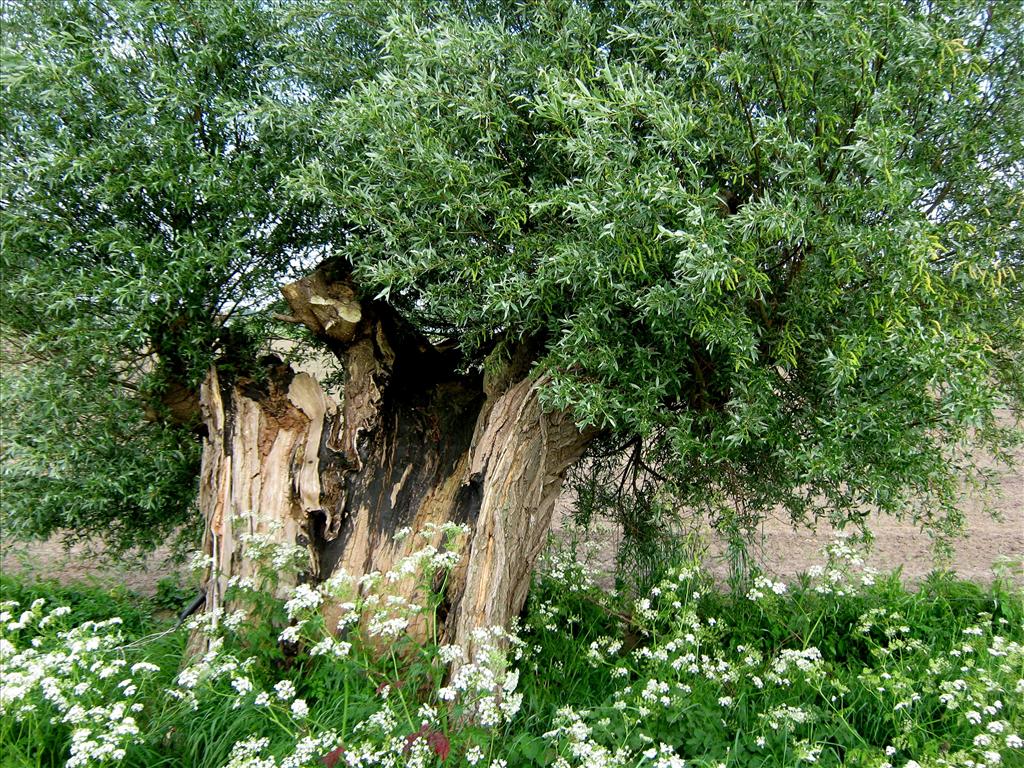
{"type": "Point", "coordinates": [413, 443]}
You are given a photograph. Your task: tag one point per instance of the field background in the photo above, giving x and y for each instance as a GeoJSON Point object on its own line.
{"type": "Point", "coordinates": [781, 551]}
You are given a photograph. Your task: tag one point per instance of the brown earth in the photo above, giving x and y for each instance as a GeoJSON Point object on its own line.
{"type": "Point", "coordinates": [990, 545]}
{"type": "Point", "coordinates": [993, 543]}
{"type": "Point", "coordinates": [86, 564]}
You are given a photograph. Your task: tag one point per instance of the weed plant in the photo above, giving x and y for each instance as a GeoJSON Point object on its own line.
{"type": "Point", "coordinates": [842, 667]}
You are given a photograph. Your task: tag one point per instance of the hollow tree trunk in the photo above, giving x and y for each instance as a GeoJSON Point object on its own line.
{"type": "Point", "coordinates": [413, 442]}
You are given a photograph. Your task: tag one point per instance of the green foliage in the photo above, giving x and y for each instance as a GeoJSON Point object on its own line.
{"type": "Point", "coordinates": [144, 230]}
{"type": "Point", "coordinates": [171, 595]}
{"type": "Point", "coordinates": [78, 457]}
{"type": "Point", "coordinates": [87, 602]}
{"type": "Point", "coordinates": [772, 247]}
{"type": "Point", "coordinates": [842, 667]}
{"type": "Point", "coordinates": [112, 629]}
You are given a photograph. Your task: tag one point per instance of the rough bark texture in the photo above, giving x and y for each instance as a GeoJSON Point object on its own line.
{"type": "Point", "coordinates": [414, 442]}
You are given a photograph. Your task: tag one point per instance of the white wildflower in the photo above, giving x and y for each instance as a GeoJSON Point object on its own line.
{"type": "Point", "coordinates": [285, 690]}
{"type": "Point", "coordinates": [304, 598]}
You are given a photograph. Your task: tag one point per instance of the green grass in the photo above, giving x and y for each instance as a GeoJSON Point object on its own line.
{"type": "Point", "coordinates": [922, 642]}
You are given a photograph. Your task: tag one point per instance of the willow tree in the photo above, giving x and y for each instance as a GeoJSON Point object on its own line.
{"type": "Point", "coordinates": [736, 256]}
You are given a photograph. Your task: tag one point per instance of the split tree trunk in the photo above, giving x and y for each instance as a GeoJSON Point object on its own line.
{"type": "Point", "coordinates": [413, 442]}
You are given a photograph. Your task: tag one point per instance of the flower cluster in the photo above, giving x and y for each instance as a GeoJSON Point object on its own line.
{"type": "Point", "coordinates": [787, 700]}
{"type": "Point", "coordinates": [358, 627]}
{"type": "Point", "coordinates": [486, 687]}
{"type": "Point", "coordinates": [763, 586]}
{"type": "Point", "coordinates": [680, 674]}
{"type": "Point", "coordinates": [77, 677]}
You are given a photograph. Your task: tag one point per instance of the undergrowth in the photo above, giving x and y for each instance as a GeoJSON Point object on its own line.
{"type": "Point", "coordinates": [842, 667]}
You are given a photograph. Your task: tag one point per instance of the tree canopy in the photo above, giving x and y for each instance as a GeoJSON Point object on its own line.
{"type": "Point", "coordinates": [770, 250]}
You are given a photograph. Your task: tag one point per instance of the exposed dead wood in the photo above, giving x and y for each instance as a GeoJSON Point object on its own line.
{"type": "Point", "coordinates": [519, 457]}
{"type": "Point", "coordinates": [415, 444]}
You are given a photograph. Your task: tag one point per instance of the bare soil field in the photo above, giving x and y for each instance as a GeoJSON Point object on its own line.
{"type": "Point", "coordinates": [992, 545]}
{"type": "Point", "coordinates": [989, 544]}
{"type": "Point", "coordinates": [86, 564]}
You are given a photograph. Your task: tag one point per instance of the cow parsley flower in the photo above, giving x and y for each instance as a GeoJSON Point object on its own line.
{"type": "Point", "coordinates": [304, 598]}
{"type": "Point", "coordinates": [285, 690]}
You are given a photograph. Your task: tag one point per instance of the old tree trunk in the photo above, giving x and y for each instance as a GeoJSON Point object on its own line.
{"type": "Point", "coordinates": [412, 443]}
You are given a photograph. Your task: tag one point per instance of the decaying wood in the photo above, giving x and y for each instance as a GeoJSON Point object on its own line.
{"type": "Point", "coordinates": [256, 472]}
{"type": "Point", "coordinates": [180, 405]}
{"type": "Point", "coordinates": [519, 457]}
{"type": "Point", "coordinates": [415, 443]}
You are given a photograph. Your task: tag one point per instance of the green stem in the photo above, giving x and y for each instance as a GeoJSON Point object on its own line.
{"type": "Point", "coordinates": [344, 707]}
{"type": "Point", "coordinates": [401, 696]}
